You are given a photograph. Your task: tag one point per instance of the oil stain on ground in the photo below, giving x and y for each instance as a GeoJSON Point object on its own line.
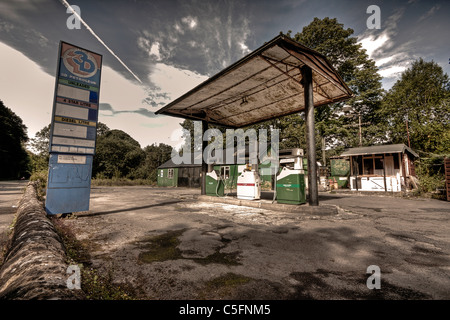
{"type": "Point", "coordinates": [165, 247]}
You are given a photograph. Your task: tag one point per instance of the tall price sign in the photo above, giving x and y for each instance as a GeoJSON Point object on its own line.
{"type": "Point", "coordinates": [73, 129]}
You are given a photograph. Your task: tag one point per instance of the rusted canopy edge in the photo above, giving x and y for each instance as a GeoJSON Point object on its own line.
{"type": "Point", "coordinates": [211, 121]}
{"type": "Point", "coordinates": [225, 109]}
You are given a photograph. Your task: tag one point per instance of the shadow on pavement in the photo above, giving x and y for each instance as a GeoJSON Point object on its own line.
{"type": "Point", "coordinates": [101, 213]}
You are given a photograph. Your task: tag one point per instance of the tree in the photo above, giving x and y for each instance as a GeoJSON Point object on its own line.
{"type": "Point", "coordinates": [117, 155]}
{"type": "Point", "coordinates": [102, 129]}
{"type": "Point", "coordinates": [418, 107]}
{"type": "Point", "coordinates": [13, 135]}
{"type": "Point", "coordinates": [329, 37]}
{"type": "Point", "coordinates": [40, 146]}
{"type": "Point", "coordinates": [189, 134]}
{"type": "Point", "coordinates": [155, 155]}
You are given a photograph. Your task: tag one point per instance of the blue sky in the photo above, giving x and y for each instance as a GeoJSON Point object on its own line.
{"type": "Point", "coordinates": [168, 47]}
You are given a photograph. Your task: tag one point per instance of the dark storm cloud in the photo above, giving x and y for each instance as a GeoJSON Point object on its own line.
{"type": "Point", "coordinates": [202, 36]}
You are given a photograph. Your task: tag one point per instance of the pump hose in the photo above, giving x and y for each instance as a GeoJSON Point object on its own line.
{"type": "Point", "coordinates": [275, 190]}
{"type": "Point", "coordinates": [231, 185]}
{"type": "Point", "coordinates": [218, 182]}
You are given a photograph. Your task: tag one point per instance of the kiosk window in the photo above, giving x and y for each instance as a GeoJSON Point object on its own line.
{"type": "Point", "coordinates": [170, 173]}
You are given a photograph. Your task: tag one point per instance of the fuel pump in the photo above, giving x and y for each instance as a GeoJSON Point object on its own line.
{"type": "Point", "coordinates": [290, 181]}
{"type": "Point", "coordinates": [214, 184]}
{"type": "Point", "coordinates": [249, 184]}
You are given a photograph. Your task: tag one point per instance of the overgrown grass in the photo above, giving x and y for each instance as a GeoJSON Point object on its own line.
{"type": "Point", "coordinates": [96, 285]}
{"type": "Point", "coordinates": [122, 182]}
{"type": "Point", "coordinates": [41, 178]}
{"type": "Point", "coordinates": [5, 238]}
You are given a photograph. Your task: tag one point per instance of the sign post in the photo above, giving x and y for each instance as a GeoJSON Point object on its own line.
{"type": "Point", "coordinates": [73, 130]}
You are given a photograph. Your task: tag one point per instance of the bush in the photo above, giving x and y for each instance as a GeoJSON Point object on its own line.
{"type": "Point", "coordinates": [431, 174]}
{"type": "Point", "coordinates": [41, 178]}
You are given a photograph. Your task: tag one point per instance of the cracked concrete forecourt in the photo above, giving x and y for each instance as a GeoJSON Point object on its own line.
{"type": "Point", "coordinates": [170, 243]}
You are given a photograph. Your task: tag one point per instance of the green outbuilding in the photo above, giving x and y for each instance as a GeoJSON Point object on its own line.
{"type": "Point", "coordinates": [188, 175]}
{"type": "Point", "coordinates": [179, 175]}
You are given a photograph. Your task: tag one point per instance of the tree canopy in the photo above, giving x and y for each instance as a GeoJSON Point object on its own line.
{"type": "Point", "coordinates": [329, 37]}
{"type": "Point", "coordinates": [335, 128]}
{"type": "Point", "coordinates": [418, 107]}
{"type": "Point", "coordinates": [117, 155]}
{"type": "Point", "coordinates": [13, 135]}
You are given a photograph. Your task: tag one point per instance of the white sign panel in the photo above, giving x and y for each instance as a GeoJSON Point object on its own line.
{"type": "Point", "coordinates": [73, 142]}
{"type": "Point", "coordinates": [68, 130]}
{"type": "Point", "coordinates": [73, 93]}
{"type": "Point", "coordinates": [64, 158]}
{"type": "Point", "coordinates": [71, 111]}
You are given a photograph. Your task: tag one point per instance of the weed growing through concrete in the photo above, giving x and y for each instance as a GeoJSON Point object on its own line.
{"type": "Point", "coordinates": [95, 285]}
{"type": "Point", "coordinates": [223, 286]}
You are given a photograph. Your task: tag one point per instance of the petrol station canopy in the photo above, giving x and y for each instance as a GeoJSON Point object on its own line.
{"type": "Point", "coordinates": [264, 85]}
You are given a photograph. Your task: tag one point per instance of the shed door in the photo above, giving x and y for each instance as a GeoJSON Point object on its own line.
{"type": "Point", "coordinates": [390, 166]}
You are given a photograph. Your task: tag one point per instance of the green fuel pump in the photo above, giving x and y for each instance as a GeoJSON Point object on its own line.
{"type": "Point", "coordinates": [290, 181]}
{"type": "Point", "coordinates": [214, 184]}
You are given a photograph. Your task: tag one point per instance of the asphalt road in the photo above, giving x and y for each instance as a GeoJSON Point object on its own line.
{"type": "Point", "coordinates": [10, 194]}
{"type": "Point", "coordinates": [168, 245]}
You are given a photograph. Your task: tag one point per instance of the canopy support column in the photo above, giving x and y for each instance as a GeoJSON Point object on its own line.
{"type": "Point", "coordinates": [313, 191]}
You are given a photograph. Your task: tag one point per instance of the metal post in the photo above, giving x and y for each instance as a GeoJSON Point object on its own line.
{"type": "Point", "coordinates": [310, 136]}
{"type": "Point", "coordinates": [360, 131]}
{"type": "Point", "coordinates": [204, 164]}
{"type": "Point", "coordinates": [384, 172]}
{"type": "Point", "coordinates": [324, 159]}
{"type": "Point", "coordinates": [407, 131]}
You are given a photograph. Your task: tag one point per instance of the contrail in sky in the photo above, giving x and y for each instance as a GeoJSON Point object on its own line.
{"type": "Point", "coordinates": [67, 5]}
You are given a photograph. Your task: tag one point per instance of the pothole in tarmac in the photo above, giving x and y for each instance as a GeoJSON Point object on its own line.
{"type": "Point", "coordinates": [202, 248]}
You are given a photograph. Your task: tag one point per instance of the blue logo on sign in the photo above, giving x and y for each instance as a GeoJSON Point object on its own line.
{"type": "Point", "coordinates": [80, 63]}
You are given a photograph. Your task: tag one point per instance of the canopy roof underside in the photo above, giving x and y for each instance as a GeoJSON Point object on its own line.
{"type": "Point", "coordinates": [264, 85]}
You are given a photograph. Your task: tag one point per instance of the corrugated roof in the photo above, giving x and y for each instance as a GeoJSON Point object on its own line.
{"type": "Point", "coordinates": [387, 148]}
{"type": "Point", "coordinates": [264, 85]}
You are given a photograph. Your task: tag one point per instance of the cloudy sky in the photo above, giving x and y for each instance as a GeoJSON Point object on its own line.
{"type": "Point", "coordinates": [156, 50]}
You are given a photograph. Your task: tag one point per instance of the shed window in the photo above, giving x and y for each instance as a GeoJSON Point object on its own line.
{"type": "Point", "coordinates": [368, 166]}
{"type": "Point", "coordinates": [379, 168]}
{"type": "Point", "coordinates": [170, 173]}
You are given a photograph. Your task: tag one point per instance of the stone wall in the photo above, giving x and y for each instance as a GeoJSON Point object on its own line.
{"type": "Point", "coordinates": [35, 262]}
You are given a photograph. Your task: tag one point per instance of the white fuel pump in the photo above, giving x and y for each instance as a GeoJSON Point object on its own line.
{"type": "Point", "coordinates": [249, 185]}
